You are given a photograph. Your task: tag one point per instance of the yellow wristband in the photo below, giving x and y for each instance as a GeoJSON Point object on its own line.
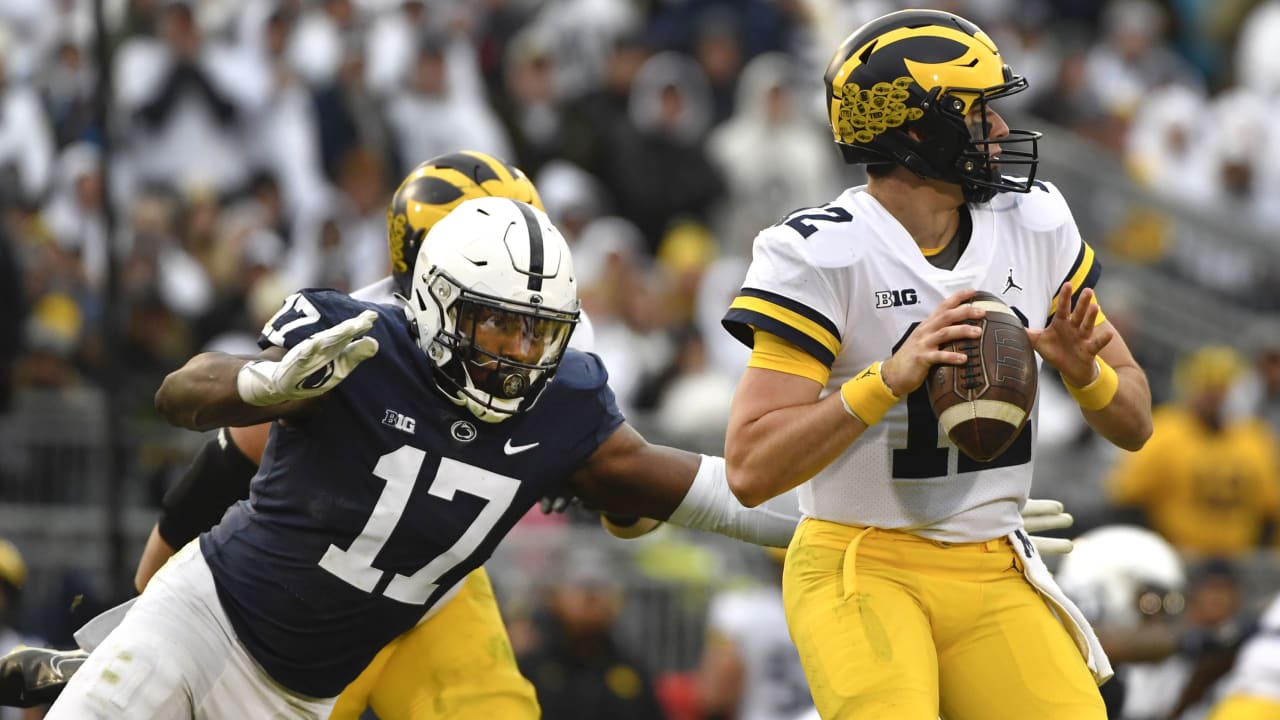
{"type": "Point", "coordinates": [866, 396]}
{"type": "Point", "coordinates": [1099, 393]}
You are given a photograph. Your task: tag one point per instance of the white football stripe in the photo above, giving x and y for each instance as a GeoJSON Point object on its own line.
{"type": "Point", "coordinates": [994, 306]}
{"type": "Point", "coordinates": [990, 409]}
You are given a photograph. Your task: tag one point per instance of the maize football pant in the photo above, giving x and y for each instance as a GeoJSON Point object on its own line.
{"type": "Point", "coordinates": [896, 627]}
{"type": "Point", "coordinates": [458, 664]}
{"type": "Point", "coordinates": [1246, 707]}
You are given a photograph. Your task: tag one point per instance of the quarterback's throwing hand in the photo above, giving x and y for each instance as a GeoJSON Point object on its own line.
{"type": "Point", "coordinates": [1072, 340]}
{"type": "Point", "coordinates": [312, 367]}
{"type": "Point", "coordinates": [906, 370]}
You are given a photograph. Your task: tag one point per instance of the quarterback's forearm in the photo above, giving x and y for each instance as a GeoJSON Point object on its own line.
{"type": "Point", "coordinates": [202, 395]}
{"type": "Point", "coordinates": [783, 448]}
{"type": "Point", "coordinates": [1126, 420]}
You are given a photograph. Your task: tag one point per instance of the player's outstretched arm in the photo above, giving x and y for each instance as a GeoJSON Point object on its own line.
{"type": "Point", "coordinates": [1098, 369]}
{"type": "Point", "coordinates": [627, 475]}
{"type": "Point", "coordinates": [215, 389]}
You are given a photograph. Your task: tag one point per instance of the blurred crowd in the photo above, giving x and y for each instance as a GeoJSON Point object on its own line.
{"type": "Point", "coordinates": [251, 146]}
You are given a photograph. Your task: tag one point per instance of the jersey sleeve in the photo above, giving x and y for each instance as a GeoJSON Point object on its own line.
{"type": "Point", "coordinates": [1074, 260]}
{"type": "Point", "coordinates": [585, 388]}
{"type": "Point", "coordinates": [786, 295]}
{"type": "Point", "coordinates": [306, 313]}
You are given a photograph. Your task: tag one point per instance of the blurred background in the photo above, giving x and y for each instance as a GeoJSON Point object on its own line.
{"type": "Point", "coordinates": [171, 169]}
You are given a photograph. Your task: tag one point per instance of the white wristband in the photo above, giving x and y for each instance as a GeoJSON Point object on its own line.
{"type": "Point", "coordinates": [253, 383]}
{"type": "Point", "coordinates": [710, 505]}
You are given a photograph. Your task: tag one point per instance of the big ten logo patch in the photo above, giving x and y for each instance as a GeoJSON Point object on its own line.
{"type": "Point", "coordinates": [896, 298]}
{"type": "Point", "coordinates": [399, 421]}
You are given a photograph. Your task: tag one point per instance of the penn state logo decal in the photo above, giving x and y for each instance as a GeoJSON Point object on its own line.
{"type": "Point", "coordinates": [463, 431]}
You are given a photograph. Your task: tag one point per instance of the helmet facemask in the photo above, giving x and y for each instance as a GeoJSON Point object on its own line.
{"type": "Point", "coordinates": [500, 353]}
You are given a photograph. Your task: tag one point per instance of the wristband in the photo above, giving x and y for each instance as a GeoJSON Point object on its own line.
{"type": "Point", "coordinates": [866, 396]}
{"type": "Point", "coordinates": [1099, 393]}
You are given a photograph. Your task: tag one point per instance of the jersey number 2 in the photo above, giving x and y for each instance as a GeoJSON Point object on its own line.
{"type": "Point", "coordinates": [400, 470]}
{"type": "Point", "coordinates": [922, 458]}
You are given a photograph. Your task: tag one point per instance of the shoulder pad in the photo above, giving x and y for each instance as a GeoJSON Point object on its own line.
{"type": "Point", "coordinates": [581, 371]}
{"type": "Point", "coordinates": [309, 311]}
{"type": "Point", "coordinates": [1041, 210]}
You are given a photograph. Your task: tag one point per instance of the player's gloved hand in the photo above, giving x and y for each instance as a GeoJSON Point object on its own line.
{"type": "Point", "coordinates": [312, 367]}
{"type": "Point", "coordinates": [31, 676]}
{"type": "Point", "coordinates": [1041, 515]}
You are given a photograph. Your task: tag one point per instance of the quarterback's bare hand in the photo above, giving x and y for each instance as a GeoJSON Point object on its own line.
{"type": "Point", "coordinates": [1072, 340]}
{"type": "Point", "coordinates": [909, 366]}
{"type": "Point", "coordinates": [312, 367]}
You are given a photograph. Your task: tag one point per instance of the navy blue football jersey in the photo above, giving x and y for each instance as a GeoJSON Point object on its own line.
{"type": "Point", "coordinates": [364, 514]}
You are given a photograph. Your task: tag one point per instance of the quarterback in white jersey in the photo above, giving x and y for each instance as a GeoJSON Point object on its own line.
{"type": "Point", "coordinates": [911, 588]}
{"type": "Point", "coordinates": [848, 270]}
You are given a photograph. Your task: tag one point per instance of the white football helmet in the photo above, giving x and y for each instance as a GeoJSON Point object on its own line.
{"type": "Point", "coordinates": [1119, 574]}
{"type": "Point", "coordinates": [494, 300]}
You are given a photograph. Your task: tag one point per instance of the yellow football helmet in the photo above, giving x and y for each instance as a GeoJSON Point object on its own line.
{"type": "Point", "coordinates": [926, 71]}
{"type": "Point", "coordinates": [12, 569]}
{"type": "Point", "coordinates": [437, 186]}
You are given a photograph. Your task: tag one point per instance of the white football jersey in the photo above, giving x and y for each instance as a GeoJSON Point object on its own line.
{"type": "Point", "coordinates": [773, 683]}
{"type": "Point", "coordinates": [847, 283]}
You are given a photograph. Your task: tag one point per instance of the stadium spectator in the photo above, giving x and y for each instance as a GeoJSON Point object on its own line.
{"type": "Point", "coordinates": [531, 105]}
{"type": "Point", "coordinates": [576, 665]}
{"type": "Point", "coordinates": [749, 668]}
{"type": "Point", "coordinates": [180, 100]}
{"type": "Point", "coordinates": [26, 141]}
{"type": "Point", "coordinates": [1205, 482]}
{"type": "Point", "coordinates": [431, 114]}
{"type": "Point", "coordinates": [1257, 392]}
{"type": "Point", "coordinates": [658, 170]}
{"type": "Point", "coordinates": [771, 154]}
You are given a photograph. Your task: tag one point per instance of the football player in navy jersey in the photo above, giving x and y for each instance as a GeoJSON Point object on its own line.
{"type": "Point", "coordinates": [410, 443]}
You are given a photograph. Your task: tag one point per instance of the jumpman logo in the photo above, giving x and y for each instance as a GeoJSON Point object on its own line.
{"type": "Point", "coordinates": [1009, 284]}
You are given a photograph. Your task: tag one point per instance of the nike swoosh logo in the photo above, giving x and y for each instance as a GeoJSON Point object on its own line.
{"type": "Point", "coordinates": [513, 449]}
{"type": "Point", "coordinates": [65, 666]}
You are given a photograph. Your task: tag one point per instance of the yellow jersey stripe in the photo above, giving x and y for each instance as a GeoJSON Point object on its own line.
{"type": "Point", "coordinates": [804, 323]}
{"type": "Point", "coordinates": [774, 353]}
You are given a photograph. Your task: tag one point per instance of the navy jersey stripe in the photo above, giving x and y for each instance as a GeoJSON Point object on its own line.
{"type": "Point", "coordinates": [794, 306]}
{"type": "Point", "coordinates": [739, 323]}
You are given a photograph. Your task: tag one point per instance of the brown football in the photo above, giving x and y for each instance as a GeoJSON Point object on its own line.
{"type": "Point", "coordinates": [983, 404]}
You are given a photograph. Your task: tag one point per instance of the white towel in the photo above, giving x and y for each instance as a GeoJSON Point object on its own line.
{"type": "Point", "coordinates": [1068, 614]}
{"type": "Point", "coordinates": [92, 633]}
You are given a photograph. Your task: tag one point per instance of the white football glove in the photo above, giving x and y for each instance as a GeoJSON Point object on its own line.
{"type": "Point", "coordinates": [312, 367]}
{"type": "Point", "coordinates": [1041, 515]}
